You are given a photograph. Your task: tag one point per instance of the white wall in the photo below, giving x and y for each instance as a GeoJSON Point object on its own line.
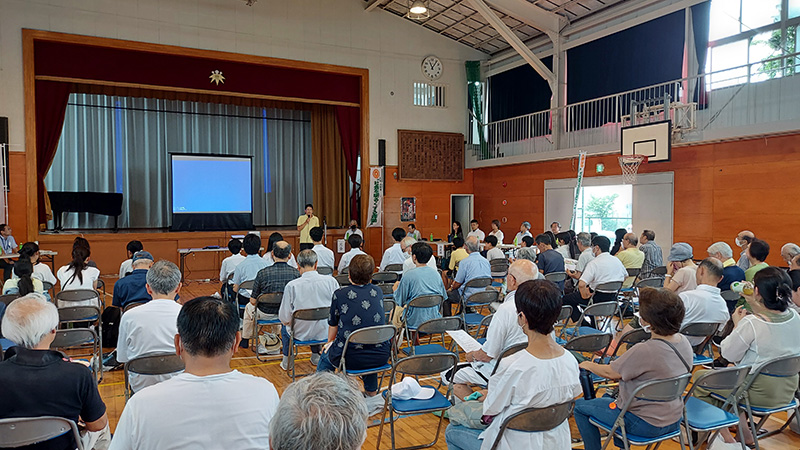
{"type": "Point", "coordinates": [325, 31]}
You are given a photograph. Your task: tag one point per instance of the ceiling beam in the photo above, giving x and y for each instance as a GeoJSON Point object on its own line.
{"type": "Point", "coordinates": [373, 4]}
{"type": "Point", "coordinates": [514, 41]}
{"type": "Point", "coordinates": [535, 16]}
{"type": "Point", "coordinates": [455, 3]}
{"type": "Point", "coordinates": [608, 21]}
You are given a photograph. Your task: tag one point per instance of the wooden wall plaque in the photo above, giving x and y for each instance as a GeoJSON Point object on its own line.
{"type": "Point", "coordinates": [430, 155]}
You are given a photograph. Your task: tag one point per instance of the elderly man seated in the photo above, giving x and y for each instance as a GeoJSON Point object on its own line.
{"type": "Point", "coordinates": [269, 280]}
{"type": "Point", "coordinates": [503, 332]}
{"type": "Point", "coordinates": [36, 381]}
{"type": "Point", "coordinates": [422, 280]}
{"type": "Point", "coordinates": [311, 290]}
{"type": "Point", "coordinates": [472, 267]}
{"type": "Point", "coordinates": [133, 288]}
{"type": "Point", "coordinates": [409, 264]}
{"type": "Point", "coordinates": [151, 327]}
{"type": "Point", "coordinates": [209, 405]}
{"type": "Point", "coordinates": [323, 411]}
{"type": "Point", "coordinates": [731, 272]}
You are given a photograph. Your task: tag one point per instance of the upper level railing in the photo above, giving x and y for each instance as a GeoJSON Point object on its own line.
{"type": "Point", "coordinates": [730, 103]}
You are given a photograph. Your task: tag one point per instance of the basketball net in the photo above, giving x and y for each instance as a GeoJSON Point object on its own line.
{"type": "Point", "coordinates": [630, 166]}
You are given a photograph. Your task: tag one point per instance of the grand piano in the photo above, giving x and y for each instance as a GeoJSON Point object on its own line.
{"type": "Point", "coordinates": [103, 203]}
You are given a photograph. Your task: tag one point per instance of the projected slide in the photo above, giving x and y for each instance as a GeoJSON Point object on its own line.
{"type": "Point", "coordinates": [211, 192]}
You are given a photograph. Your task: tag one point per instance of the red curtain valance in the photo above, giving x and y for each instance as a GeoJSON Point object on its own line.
{"type": "Point", "coordinates": [61, 59]}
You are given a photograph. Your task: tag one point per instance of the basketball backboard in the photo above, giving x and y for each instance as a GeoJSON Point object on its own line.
{"type": "Point", "coordinates": [653, 140]}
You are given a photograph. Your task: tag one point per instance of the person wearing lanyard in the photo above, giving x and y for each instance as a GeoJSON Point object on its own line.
{"type": "Point", "coordinates": [9, 246]}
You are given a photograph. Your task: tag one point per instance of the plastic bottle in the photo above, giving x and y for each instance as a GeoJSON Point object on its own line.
{"type": "Point", "coordinates": [431, 239]}
{"type": "Point", "coordinates": [742, 287]}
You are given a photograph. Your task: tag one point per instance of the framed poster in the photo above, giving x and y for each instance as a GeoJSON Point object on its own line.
{"type": "Point", "coordinates": [408, 209]}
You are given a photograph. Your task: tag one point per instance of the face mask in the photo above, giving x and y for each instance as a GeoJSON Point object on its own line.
{"type": "Point", "coordinates": [738, 242]}
{"type": "Point", "coordinates": [645, 326]}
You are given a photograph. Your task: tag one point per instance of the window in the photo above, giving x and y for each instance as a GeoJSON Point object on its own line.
{"type": "Point", "coordinates": [429, 95]}
{"type": "Point", "coordinates": [604, 209]}
{"type": "Point", "coordinates": [749, 40]}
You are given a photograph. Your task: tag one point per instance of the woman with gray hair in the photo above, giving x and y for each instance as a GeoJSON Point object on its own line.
{"type": "Point", "coordinates": [324, 412]}
{"type": "Point", "coordinates": [789, 251]}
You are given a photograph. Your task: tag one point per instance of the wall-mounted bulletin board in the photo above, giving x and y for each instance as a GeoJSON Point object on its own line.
{"type": "Point", "coordinates": [430, 155]}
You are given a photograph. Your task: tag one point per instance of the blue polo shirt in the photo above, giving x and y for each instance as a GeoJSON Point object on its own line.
{"type": "Point", "coordinates": [131, 289]}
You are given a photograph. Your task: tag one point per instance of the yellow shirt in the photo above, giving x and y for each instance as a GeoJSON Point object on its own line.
{"type": "Point", "coordinates": [456, 257]}
{"type": "Point", "coordinates": [632, 258]}
{"type": "Point", "coordinates": [305, 238]}
{"type": "Point", "coordinates": [729, 262]}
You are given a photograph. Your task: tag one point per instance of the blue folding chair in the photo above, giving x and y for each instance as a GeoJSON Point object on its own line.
{"type": "Point", "coordinates": [477, 301]}
{"type": "Point", "coordinates": [272, 300]}
{"type": "Point", "coordinates": [419, 366]}
{"type": "Point", "coordinates": [310, 315]}
{"type": "Point", "coordinates": [439, 326]}
{"type": "Point", "coordinates": [423, 301]}
{"type": "Point", "coordinates": [630, 338]}
{"type": "Point", "coordinates": [380, 334]}
{"type": "Point", "coordinates": [24, 431]}
{"type": "Point", "coordinates": [704, 417]}
{"type": "Point", "coordinates": [533, 420]}
{"type": "Point", "coordinates": [561, 323]}
{"type": "Point", "coordinates": [600, 313]}
{"type": "Point", "coordinates": [782, 367]}
{"type": "Point", "coordinates": [653, 391]}
{"type": "Point", "coordinates": [706, 331]}
{"type": "Point", "coordinates": [248, 286]}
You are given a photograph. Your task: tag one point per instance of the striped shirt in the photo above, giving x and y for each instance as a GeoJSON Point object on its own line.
{"type": "Point", "coordinates": [653, 257]}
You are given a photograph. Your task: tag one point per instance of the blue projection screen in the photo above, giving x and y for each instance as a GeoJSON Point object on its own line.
{"type": "Point", "coordinates": [211, 192]}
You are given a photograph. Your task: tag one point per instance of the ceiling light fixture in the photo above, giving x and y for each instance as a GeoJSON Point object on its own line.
{"type": "Point", "coordinates": [418, 9]}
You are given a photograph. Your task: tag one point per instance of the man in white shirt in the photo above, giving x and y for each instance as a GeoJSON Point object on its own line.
{"type": "Point", "coordinates": [584, 241]}
{"type": "Point", "coordinates": [475, 230]}
{"type": "Point", "coordinates": [208, 405]}
{"type": "Point", "coordinates": [492, 252]}
{"type": "Point", "coordinates": [408, 264]}
{"type": "Point", "coordinates": [705, 304]}
{"type": "Point", "coordinates": [127, 266]}
{"type": "Point", "coordinates": [743, 240]}
{"type": "Point", "coordinates": [355, 241]}
{"type": "Point", "coordinates": [325, 256]}
{"type": "Point", "coordinates": [229, 265]}
{"type": "Point", "coordinates": [151, 327]}
{"type": "Point", "coordinates": [603, 269]}
{"type": "Point", "coordinates": [394, 254]}
{"type": "Point", "coordinates": [311, 290]}
{"type": "Point", "coordinates": [503, 332]}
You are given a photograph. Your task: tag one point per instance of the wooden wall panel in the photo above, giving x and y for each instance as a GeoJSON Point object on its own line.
{"type": "Point", "coordinates": [17, 199]}
{"type": "Point", "coordinates": [720, 189]}
{"type": "Point", "coordinates": [430, 155]}
{"type": "Point", "coordinates": [433, 199]}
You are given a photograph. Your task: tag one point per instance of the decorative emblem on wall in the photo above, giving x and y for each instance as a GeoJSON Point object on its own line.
{"type": "Point", "coordinates": [216, 77]}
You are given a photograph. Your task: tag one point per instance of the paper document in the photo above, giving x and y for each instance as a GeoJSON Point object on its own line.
{"type": "Point", "coordinates": [570, 264]}
{"type": "Point", "coordinates": [464, 340]}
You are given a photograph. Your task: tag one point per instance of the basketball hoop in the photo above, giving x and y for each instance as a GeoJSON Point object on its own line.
{"type": "Point", "coordinates": [630, 166]}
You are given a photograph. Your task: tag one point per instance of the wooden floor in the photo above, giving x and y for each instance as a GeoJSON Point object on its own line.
{"type": "Point", "coordinates": [409, 431]}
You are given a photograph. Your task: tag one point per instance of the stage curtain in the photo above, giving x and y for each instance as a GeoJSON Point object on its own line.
{"type": "Point", "coordinates": [122, 144]}
{"type": "Point", "coordinates": [349, 124]}
{"type": "Point", "coordinates": [329, 170]}
{"type": "Point", "coordinates": [51, 105]}
{"type": "Point", "coordinates": [700, 27]}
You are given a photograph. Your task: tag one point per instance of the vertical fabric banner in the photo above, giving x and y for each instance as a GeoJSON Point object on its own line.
{"type": "Point", "coordinates": [578, 185]}
{"type": "Point", "coordinates": [374, 219]}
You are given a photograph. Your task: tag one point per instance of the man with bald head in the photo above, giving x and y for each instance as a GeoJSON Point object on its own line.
{"type": "Point", "coordinates": [789, 251]}
{"type": "Point", "coordinates": [269, 280]}
{"type": "Point", "coordinates": [406, 244]}
{"type": "Point", "coordinates": [503, 332]}
{"type": "Point", "coordinates": [743, 240]}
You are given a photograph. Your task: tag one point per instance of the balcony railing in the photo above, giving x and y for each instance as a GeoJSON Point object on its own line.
{"type": "Point", "coordinates": [746, 100]}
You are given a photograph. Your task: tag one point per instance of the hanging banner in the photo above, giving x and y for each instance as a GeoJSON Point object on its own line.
{"type": "Point", "coordinates": [374, 218]}
{"type": "Point", "coordinates": [581, 167]}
